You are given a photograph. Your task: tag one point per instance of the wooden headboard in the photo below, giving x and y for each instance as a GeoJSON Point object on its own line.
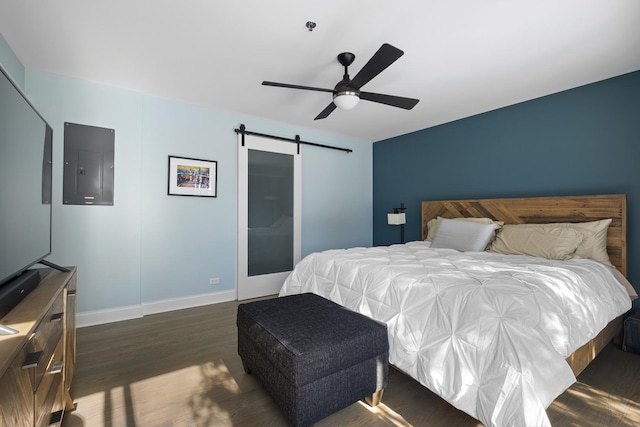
{"type": "Point", "coordinates": [542, 210]}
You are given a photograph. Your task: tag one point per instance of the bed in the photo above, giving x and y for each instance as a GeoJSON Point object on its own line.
{"type": "Point", "coordinates": [497, 335]}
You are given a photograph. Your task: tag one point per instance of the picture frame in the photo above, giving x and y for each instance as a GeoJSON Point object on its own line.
{"type": "Point", "coordinates": [192, 177]}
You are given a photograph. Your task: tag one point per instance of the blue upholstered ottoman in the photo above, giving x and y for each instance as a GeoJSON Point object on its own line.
{"type": "Point", "coordinates": [313, 356]}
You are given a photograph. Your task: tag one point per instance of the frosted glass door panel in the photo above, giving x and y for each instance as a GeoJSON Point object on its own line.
{"type": "Point", "coordinates": [270, 212]}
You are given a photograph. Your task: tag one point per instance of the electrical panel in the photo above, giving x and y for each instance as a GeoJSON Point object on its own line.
{"type": "Point", "coordinates": [88, 165]}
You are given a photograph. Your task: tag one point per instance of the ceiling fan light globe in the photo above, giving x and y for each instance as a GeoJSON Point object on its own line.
{"type": "Point", "coordinates": [346, 100]}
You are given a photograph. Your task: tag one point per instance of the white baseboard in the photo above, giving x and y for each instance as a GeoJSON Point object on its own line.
{"type": "Point", "coordinates": [187, 302]}
{"type": "Point", "coordinates": [99, 317]}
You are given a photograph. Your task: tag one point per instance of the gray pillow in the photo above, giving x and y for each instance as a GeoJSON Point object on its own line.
{"type": "Point", "coordinates": [462, 235]}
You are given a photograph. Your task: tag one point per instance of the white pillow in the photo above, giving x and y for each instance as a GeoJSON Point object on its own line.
{"type": "Point", "coordinates": [432, 225]}
{"type": "Point", "coordinates": [462, 235]}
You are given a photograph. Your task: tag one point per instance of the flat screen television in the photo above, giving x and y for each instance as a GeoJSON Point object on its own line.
{"type": "Point", "coordinates": [25, 189]}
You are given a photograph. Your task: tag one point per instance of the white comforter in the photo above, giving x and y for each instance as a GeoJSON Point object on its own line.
{"type": "Point", "coordinates": [487, 332]}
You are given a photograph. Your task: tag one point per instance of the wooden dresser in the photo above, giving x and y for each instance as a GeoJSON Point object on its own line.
{"type": "Point", "coordinates": [36, 365]}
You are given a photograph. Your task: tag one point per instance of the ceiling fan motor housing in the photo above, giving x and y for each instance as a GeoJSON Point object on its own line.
{"type": "Point", "coordinates": [343, 86]}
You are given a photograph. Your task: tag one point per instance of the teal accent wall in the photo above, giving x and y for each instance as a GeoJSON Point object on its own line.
{"type": "Point", "coordinates": [151, 247]}
{"type": "Point", "coordinates": [577, 142]}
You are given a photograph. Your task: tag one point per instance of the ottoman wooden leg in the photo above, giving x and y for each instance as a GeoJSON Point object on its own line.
{"type": "Point", "coordinates": [375, 398]}
{"type": "Point", "coordinates": [245, 367]}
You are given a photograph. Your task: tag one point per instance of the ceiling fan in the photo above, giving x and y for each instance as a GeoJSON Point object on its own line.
{"type": "Point", "coordinates": [347, 93]}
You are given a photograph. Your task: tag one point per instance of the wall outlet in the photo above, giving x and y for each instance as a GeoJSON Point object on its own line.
{"type": "Point", "coordinates": [214, 281]}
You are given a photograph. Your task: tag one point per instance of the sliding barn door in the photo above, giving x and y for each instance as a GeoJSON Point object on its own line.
{"type": "Point", "coordinates": [268, 214]}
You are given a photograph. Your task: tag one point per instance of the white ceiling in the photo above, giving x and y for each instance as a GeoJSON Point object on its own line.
{"type": "Point", "coordinates": [461, 57]}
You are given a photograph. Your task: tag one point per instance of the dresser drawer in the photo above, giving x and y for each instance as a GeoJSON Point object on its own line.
{"type": "Point", "coordinates": [16, 394]}
{"type": "Point", "coordinates": [45, 338]}
{"type": "Point", "coordinates": [48, 396]}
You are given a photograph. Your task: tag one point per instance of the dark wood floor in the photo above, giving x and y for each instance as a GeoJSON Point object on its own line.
{"type": "Point", "coordinates": [181, 369]}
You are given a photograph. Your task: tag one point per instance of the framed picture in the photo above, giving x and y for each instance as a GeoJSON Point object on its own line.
{"type": "Point", "coordinates": [192, 177]}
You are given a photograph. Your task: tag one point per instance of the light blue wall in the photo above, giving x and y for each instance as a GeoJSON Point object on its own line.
{"type": "Point", "coordinates": [11, 63]}
{"type": "Point", "coordinates": [153, 247]}
{"type": "Point", "coordinates": [102, 241]}
{"type": "Point", "coordinates": [577, 142]}
{"type": "Point", "coordinates": [188, 240]}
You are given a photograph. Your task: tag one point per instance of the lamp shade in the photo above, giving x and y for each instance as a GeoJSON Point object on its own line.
{"type": "Point", "coordinates": [346, 100]}
{"type": "Point", "coordinates": [396, 219]}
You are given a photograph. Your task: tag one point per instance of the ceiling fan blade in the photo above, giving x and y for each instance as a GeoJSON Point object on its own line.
{"type": "Point", "coordinates": [318, 89]}
{"type": "Point", "coordinates": [394, 101]}
{"type": "Point", "coordinates": [326, 112]}
{"type": "Point", "coordinates": [384, 57]}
